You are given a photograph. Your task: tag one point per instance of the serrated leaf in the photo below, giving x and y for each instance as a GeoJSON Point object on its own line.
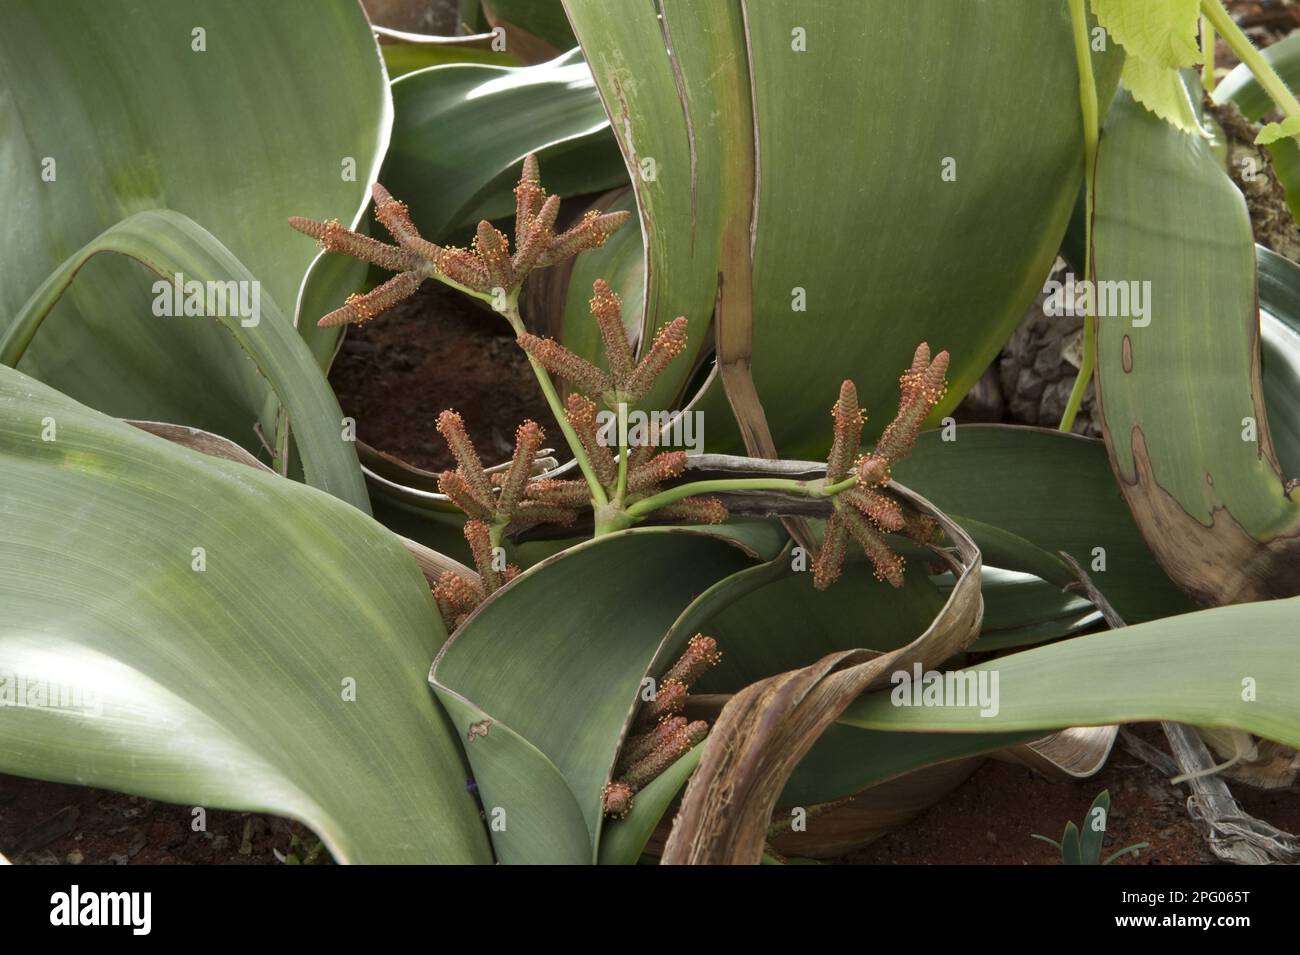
{"type": "Point", "coordinates": [1161, 90]}
{"type": "Point", "coordinates": [1272, 132]}
{"type": "Point", "coordinates": [1162, 32]}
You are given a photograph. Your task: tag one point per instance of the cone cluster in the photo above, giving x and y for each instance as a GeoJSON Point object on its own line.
{"type": "Point", "coordinates": [626, 382]}
{"type": "Point", "coordinates": [486, 267]}
{"type": "Point", "coordinates": [866, 511]}
{"type": "Point", "coordinates": [664, 735]}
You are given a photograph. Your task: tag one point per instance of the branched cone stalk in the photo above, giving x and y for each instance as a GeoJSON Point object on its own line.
{"type": "Point", "coordinates": [665, 736]}
{"type": "Point", "coordinates": [487, 268]}
{"type": "Point", "coordinates": [626, 383]}
{"type": "Point", "coordinates": [866, 512]}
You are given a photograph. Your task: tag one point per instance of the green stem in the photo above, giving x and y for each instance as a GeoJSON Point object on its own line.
{"type": "Point", "coordinates": [621, 488]}
{"type": "Point", "coordinates": [598, 497]}
{"type": "Point", "coordinates": [1208, 79]}
{"type": "Point", "coordinates": [1240, 44]}
{"type": "Point", "coordinates": [1089, 113]}
{"type": "Point", "coordinates": [814, 488]}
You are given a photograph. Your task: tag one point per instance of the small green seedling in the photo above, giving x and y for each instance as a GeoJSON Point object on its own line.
{"type": "Point", "coordinates": [1085, 848]}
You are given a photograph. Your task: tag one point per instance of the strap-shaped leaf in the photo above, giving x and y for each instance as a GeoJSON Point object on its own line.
{"type": "Point", "coordinates": [1178, 377]}
{"type": "Point", "coordinates": [237, 115]}
{"type": "Point", "coordinates": [169, 244]}
{"type": "Point", "coordinates": [816, 248]}
{"type": "Point", "coordinates": [190, 629]}
{"type": "Point", "coordinates": [557, 657]}
{"type": "Point", "coordinates": [1210, 668]}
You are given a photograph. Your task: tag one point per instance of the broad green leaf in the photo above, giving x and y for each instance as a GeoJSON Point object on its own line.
{"type": "Point", "coordinates": [558, 657]}
{"type": "Point", "coordinates": [1210, 668]}
{"type": "Point", "coordinates": [1055, 492]}
{"type": "Point", "coordinates": [168, 244]}
{"type": "Point", "coordinates": [784, 623]}
{"type": "Point", "coordinates": [1179, 386]}
{"type": "Point", "coordinates": [1189, 669]}
{"type": "Point", "coordinates": [852, 228]}
{"type": "Point", "coordinates": [847, 759]}
{"type": "Point", "coordinates": [285, 676]}
{"type": "Point", "coordinates": [461, 131]}
{"type": "Point", "coordinates": [1161, 31]}
{"type": "Point", "coordinates": [1161, 90]}
{"type": "Point", "coordinates": [285, 111]}
{"type": "Point", "coordinates": [1272, 132]}
{"type": "Point", "coordinates": [673, 79]}
{"type": "Point", "coordinates": [1020, 610]}
{"type": "Point", "coordinates": [523, 792]}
